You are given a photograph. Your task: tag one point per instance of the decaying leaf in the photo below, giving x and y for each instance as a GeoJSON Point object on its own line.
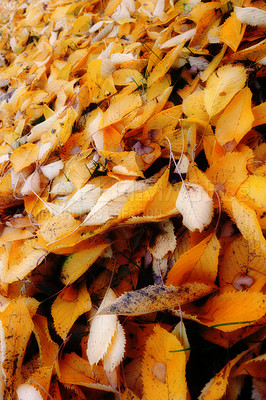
{"type": "Point", "coordinates": [154, 298]}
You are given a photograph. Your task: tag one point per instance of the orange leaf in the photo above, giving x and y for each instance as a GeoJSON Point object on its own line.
{"type": "Point", "coordinates": [74, 370]}
{"type": "Point", "coordinates": [197, 264]}
{"type": "Point", "coordinates": [233, 310]}
{"type": "Point", "coordinates": [24, 156]}
{"type": "Point", "coordinates": [232, 31]}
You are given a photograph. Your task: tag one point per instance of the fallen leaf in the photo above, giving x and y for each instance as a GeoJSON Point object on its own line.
{"type": "Point", "coordinates": [195, 205]}
{"type": "Point", "coordinates": [155, 298]}
{"type": "Point", "coordinates": [163, 368]}
{"type": "Point", "coordinates": [68, 306]}
{"type": "Point", "coordinates": [221, 87]}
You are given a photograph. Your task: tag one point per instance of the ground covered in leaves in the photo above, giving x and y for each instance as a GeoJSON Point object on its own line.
{"type": "Point", "coordinates": [132, 198]}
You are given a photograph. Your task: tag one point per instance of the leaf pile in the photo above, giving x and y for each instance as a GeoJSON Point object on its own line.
{"type": "Point", "coordinates": [132, 197]}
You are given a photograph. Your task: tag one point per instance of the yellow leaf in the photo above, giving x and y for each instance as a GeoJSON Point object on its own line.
{"type": "Point", "coordinates": [162, 67]}
{"type": "Point", "coordinates": [76, 264]}
{"type": "Point", "coordinates": [240, 267]}
{"type": "Point", "coordinates": [193, 106]}
{"type": "Point", "coordinates": [228, 172]}
{"type": "Point", "coordinates": [213, 64]}
{"type": "Point", "coordinates": [259, 113]}
{"type": "Point", "coordinates": [24, 256]}
{"type": "Point", "coordinates": [116, 349]}
{"type": "Point", "coordinates": [247, 222]}
{"type": "Point", "coordinates": [164, 367]}
{"type": "Point", "coordinates": [253, 192]}
{"type": "Point", "coordinates": [68, 306]}
{"type": "Point", "coordinates": [48, 349]}
{"type": "Point", "coordinates": [195, 175]}
{"type": "Point", "coordinates": [215, 389]}
{"type": "Point", "coordinates": [236, 119]}
{"type": "Point", "coordinates": [57, 226]}
{"type": "Point", "coordinates": [24, 156]}
{"type": "Point", "coordinates": [129, 395]}
{"type": "Point", "coordinates": [119, 108]}
{"type": "Point", "coordinates": [139, 202]}
{"type": "Point", "coordinates": [66, 131]}
{"type": "Point", "coordinates": [222, 86]}
{"type": "Point", "coordinates": [101, 85]}
{"type": "Point", "coordinates": [139, 116]}
{"type": "Point", "coordinates": [125, 76]}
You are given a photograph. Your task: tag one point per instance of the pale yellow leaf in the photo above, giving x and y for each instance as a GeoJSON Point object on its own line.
{"type": "Point", "coordinates": [251, 16]}
{"type": "Point", "coordinates": [116, 350]}
{"type": "Point", "coordinates": [111, 202]}
{"type": "Point", "coordinates": [38, 130]}
{"type": "Point", "coordinates": [180, 332]}
{"type": "Point", "coordinates": [195, 205]}
{"type": "Point", "coordinates": [52, 170]}
{"type": "Point", "coordinates": [102, 330]}
{"type": "Point", "coordinates": [82, 200]}
{"type": "Point", "coordinates": [25, 391]}
{"type": "Point", "coordinates": [165, 241]}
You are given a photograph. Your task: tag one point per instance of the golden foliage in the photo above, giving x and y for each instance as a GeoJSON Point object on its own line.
{"type": "Point", "coordinates": [132, 186]}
